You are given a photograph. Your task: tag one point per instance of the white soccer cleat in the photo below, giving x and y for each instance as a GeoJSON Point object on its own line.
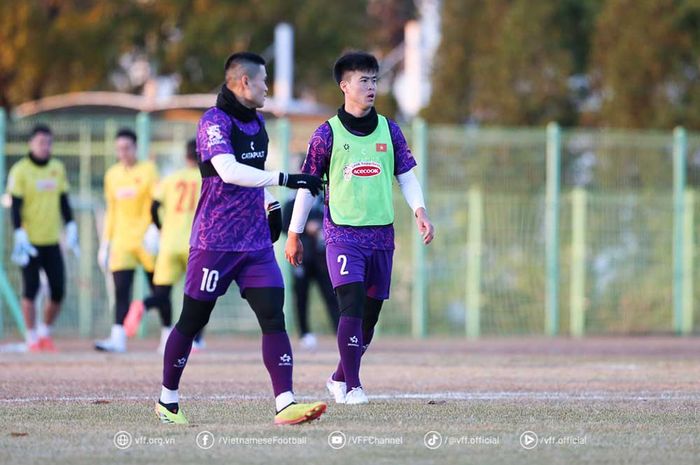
{"type": "Point", "coordinates": [337, 389]}
{"type": "Point", "coordinates": [108, 345]}
{"type": "Point", "coordinates": [356, 396]}
{"type": "Point", "coordinates": [116, 341]}
{"type": "Point", "coordinates": [309, 341]}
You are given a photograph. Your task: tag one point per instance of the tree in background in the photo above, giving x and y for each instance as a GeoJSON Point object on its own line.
{"type": "Point", "coordinates": [321, 34]}
{"type": "Point", "coordinates": [451, 76]}
{"type": "Point", "coordinates": [503, 62]}
{"type": "Point", "coordinates": [614, 63]}
{"type": "Point", "coordinates": [638, 63]}
{"type": "Point", "coordinates": [689, 66]}
{"type": "Point", "coordinates": [52, 46]}
{"type": "Point", "coordinates": [527, 82]}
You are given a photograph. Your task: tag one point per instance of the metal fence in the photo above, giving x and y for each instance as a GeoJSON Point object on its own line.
{"type": "Point", "coordinates": [538, 230]}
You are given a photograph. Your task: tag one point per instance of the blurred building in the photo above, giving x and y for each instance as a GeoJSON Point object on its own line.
{"type": "Point", "coordinates": [171, 107]}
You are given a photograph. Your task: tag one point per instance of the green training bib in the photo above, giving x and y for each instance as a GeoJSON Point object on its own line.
{"type": "Point", "coordinates": [360, 176]}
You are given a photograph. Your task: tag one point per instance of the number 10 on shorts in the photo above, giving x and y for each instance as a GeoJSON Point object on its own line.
{"type": "Point", "coordinates": [209, 280]}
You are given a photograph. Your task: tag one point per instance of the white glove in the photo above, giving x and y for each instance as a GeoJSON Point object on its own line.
{"type": "Point", "coordinates": [72, 238]}
{"type": "Point", "coordinates": [103, 256]}
{"type": "Point", "coordinates": [151, 239]}
{"type": "Point", "coordinates": [23, 249]}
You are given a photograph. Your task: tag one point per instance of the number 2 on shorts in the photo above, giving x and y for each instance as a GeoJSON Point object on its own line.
{"type": "Point", "coordinates": [343, 260]}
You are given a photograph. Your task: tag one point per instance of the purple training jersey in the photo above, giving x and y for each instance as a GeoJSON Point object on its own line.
{"type": "Point", "coordinates": [318, 161]}
{"type": "Point", "coordinates": [229, 218]}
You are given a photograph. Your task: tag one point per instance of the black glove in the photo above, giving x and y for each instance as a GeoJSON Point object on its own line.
{"type": "Point", "coordinates": [301, 181]}
{"type": "Point", "coordinates": [274, 220]}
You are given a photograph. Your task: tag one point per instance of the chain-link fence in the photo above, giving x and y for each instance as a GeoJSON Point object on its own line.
{"type": "Point", "coordinates": [487, 271]}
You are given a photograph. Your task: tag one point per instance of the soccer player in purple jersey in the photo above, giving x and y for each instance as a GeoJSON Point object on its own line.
{"type": "Point", "coordinates": [231, 239]}
{"type": "Point", "coordinates": [359, 152]}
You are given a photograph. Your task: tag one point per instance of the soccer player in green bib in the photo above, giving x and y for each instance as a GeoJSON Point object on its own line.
{"type": "Point", "coordinates": [359, 152]}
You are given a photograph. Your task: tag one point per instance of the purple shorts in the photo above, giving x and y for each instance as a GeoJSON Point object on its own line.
{"type": "Point", "coordinates": [348, 263]}
{"type": "Point", "coordinates": [209, 273]}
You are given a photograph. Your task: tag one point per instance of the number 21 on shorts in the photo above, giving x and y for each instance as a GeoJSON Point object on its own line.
{"type": "Point", "coordinates": [209, 280]}
{"type": "Point", "coordinates": [343, 260]}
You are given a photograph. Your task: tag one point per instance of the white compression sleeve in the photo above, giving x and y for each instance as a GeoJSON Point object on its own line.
{"type": "Point", "coordinates": [412, 192]}
{"type": "Point", "coordinates": [302, 207]}
{"type": "Point", "coordinates": [232, 172]}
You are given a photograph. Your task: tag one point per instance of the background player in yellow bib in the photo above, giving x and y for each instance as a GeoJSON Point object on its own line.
{"type": "Point", "coordinates": [39, 190]}
{"type": "Point", "coordinates": [128, 189]}
{"type": "Point", "coordinates": [174, 200]}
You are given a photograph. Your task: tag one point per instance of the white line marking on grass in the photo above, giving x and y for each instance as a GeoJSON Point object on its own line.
{"type": "Point", "coordinates": [494, 396]}
{"type": "Point", "coordinates": [539, 395]}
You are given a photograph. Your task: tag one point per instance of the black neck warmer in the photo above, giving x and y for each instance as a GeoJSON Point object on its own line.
{"type": "Point", "coordinates": [228, 102]}
{"type": "Point", "coordinates": [363, 126]}
{"type": "Point", "coordinates": [38, 162]}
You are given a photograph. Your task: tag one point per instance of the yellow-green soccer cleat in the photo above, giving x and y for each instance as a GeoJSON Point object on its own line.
{"type": "Point", "coordinates": [166, 416]}
{"type": "Point", "coordinates": [300, 413]}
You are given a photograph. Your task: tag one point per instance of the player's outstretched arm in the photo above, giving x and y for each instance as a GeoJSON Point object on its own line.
{"type": "Point", "coordinates": [412, 192]}
{"type": "Point", "coordinates": [294, 250]}
{"type": "Point", "coordinates": [233, 172]}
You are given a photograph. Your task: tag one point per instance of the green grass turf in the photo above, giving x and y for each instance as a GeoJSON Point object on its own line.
{"type": "Point", "coordinates": [631, 402]}
{"type": "Point", "coordinates": [630, 432]}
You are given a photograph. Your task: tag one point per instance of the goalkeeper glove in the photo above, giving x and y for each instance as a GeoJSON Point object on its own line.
{"type": "Point", "coordinates": [103, 256]}
{"type": "Point", "coordinates": [72, 238]}
{"type": "Point", "coordinates": [274, 220]}
{"type": "Point", "coordinates": [22, 249]}
{"type": "Point", "coordinates": [151, 240]}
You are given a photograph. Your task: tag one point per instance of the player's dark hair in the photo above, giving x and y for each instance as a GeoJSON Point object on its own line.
{"type": "Point", "coordinates": [354, 61]}
{"type": "Point", "coordinates": [191, 151]}
{"type": "Point", "coordinates": [126, 132]}
{"type": "Point", "coordinates": [243, 58]}
{"type": "Point", "coordinates": [40, 129]}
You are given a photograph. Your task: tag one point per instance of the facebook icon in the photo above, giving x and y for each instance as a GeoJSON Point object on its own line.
{"type": "Point", "coordinates": [205, 440]}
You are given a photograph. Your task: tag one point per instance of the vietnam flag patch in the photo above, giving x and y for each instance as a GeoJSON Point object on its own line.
{"type": "Point", "coordinates": [381, 147]}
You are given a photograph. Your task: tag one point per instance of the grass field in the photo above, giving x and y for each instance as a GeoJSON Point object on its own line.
{"type": "Point", "coordinates": [631, 400]}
